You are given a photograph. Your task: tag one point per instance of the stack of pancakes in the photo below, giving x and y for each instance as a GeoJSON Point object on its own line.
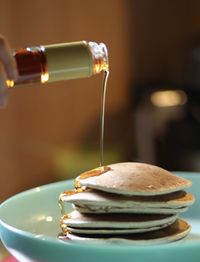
{"type": "Point", "coordinates": [130, 201]}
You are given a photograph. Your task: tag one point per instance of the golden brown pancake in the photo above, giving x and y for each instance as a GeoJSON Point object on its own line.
{"type": "Point", "coordinates": [113, 231]}
{"type": "Point", "coordinates": [132, 178]}
{"type": "Point", "coordinates": [94, 201]}
{"type": "Point", "coordinates": [176, 231]}
{"type": "Point", "coordinates": [80, 220]}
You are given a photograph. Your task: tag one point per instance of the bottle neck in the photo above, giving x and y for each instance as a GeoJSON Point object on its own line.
{"type": "Point", "coordinates": [100, 57]}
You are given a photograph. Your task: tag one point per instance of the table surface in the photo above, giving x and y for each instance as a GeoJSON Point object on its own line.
{"type": "Point", "coordinates": [5, 256]}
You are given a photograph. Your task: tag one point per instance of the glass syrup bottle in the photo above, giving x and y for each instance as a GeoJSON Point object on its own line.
{"type": "Point", "coordinates": [51, 63]}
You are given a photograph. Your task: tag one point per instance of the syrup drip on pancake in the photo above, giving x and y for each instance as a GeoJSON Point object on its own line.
{"type": "Point", "coordinates": [77, 187]}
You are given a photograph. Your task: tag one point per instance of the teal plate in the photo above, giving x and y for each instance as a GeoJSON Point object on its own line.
{"type": "Point", "coordinates": [29, 227]}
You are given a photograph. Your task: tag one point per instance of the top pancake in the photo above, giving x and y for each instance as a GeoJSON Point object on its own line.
{"type": "Point", "coordinates": [133, 178]}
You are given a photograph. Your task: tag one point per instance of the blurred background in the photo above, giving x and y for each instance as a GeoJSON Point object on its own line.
{"type": "Point", "coordinates": [51, 132]}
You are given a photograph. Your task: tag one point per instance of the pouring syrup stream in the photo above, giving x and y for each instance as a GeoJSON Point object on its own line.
{"type": "Point", "coordinates": [102, 117]}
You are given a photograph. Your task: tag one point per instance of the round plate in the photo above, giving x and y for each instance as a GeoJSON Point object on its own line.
{"type": "Point", "coordinates": [30, 224]}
